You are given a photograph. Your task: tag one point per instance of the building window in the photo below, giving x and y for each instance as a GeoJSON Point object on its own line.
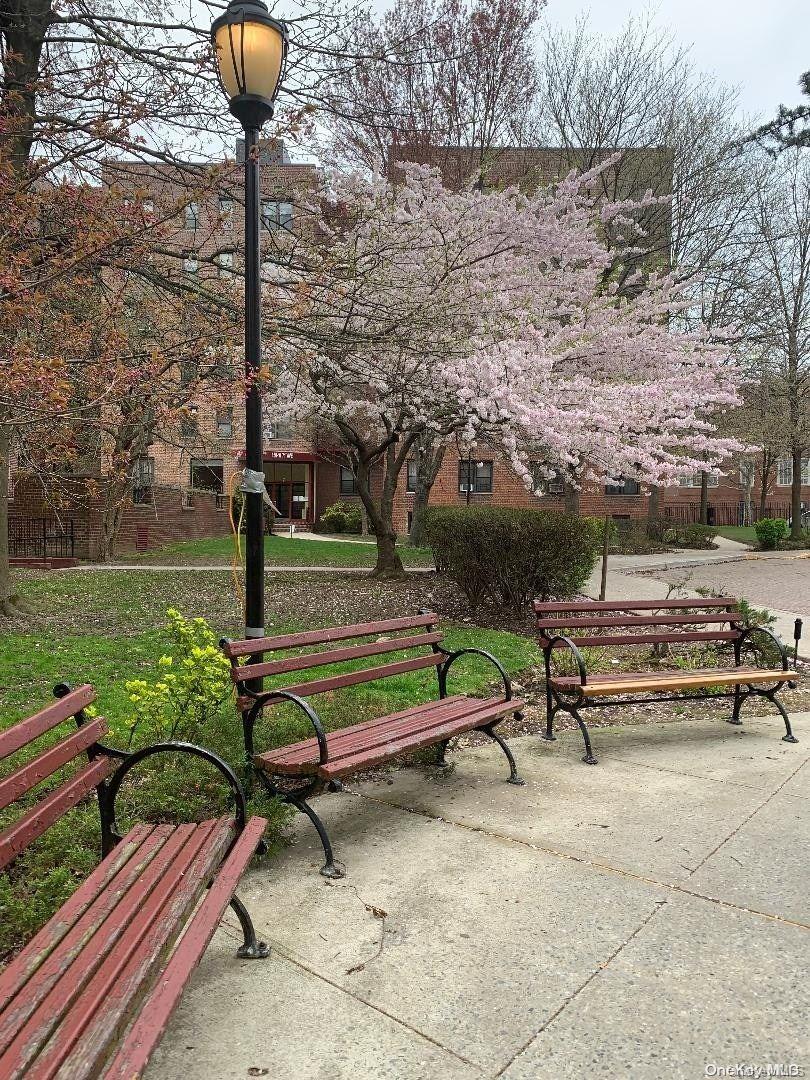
{"type": "Point", "coordinates": [148, 206]}
{"type": "Point", "coordinates": [226, 212]}
{"type": "Point", "coordinates": [191, 215]}
{"type": "Point", "coordinates": [190, 263]}
{"type": "Point", "coordinates": [624, 486]}
{"type": "Point", "coordinates": [143, 480]}
{"type": "Point", "coordinates": [410, 479]}
{"type": "Point", "coordinates": [784, 472]}
{"type": "Point", "coordinates": [224, 261]}
{"type": "Point", "coordinates": [543, 484]}
{"type": "Point", "coordinates": [206, 475]}
{"type": "Point", "coordinates": [475, 476]}
{"type": "Point", "coordinates": [225, 423]}
{"type": "Point", "coordinates": [189, 371]}
{"type": "Point", "coordinates": [280, 430]}
{"type": "Point", "coordinates": [348, 484]}
{"type": "Point", "coordinates": [276, 215]}
{"type": "Point", "coordinates": [188, 422]}
{"type": "Point", "coordinates": [747, 473]}
{"type": "Point", "coordinates": [693, 480]}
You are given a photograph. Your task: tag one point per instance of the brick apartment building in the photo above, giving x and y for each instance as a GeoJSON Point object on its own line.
{"type": "Point", "coordinates": [180, 487]}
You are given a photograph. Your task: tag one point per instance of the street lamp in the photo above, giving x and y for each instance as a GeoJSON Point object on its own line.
{"type": "Point", "coordinates": [251, 51]}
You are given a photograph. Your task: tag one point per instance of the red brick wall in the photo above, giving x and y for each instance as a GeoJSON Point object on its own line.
{"type": "Point", "coordinates": [142, 527]}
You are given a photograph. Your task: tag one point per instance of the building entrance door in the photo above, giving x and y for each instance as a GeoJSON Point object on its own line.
{"type": "Point", "coordinates": [288, 487]}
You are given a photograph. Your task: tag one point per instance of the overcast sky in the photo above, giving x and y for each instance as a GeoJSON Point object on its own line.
{"type": "Point", "coordinates": [760, 47]}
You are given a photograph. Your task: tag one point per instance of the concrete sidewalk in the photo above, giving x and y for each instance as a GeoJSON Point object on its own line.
{"type": "Point", "coordinates": [649, 916]}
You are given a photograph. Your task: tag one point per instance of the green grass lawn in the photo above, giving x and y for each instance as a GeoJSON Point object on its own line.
{"type": "Point", "coordinates": [107, 627]}
{"type": "Point", "coordinates": [742, 534]}
{"type": "Point", "coordinates": [285, 551]}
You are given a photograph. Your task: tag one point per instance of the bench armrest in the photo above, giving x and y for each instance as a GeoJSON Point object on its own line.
{"type": "Point", "coordinates": [749, 633]}
{"type": "Point", "coordinates": [444, 667]}
{"type": "Point", "coordinates": [267, 698]}
{"type": "Point", "coordinates": [548, 651]}
{"type": "Point", "coordinates": [109, 792]}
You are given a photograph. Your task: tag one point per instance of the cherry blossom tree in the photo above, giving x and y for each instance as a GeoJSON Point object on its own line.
{"type": "Point", "coordinates": [469, 315]}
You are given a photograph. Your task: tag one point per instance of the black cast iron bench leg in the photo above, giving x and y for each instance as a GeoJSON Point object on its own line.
{"type": "Point", "coordinates": [551, 709]}
{"type": "Point", "coordinates": [788, 736]}
{"type": "Point", "coordinates": [329, 869]}
{"type": "Point", "coordinates": [589, 759]}
{"type": "Point", "coordinates": [513, 773]}
{"type": "Point", "coordinates": [253, 949]}
{"type": "Point", "coordinates": [739, 697]}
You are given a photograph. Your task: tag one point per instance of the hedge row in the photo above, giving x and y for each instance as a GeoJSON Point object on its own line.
{"type": "Point", "coordinates": [511, 556]}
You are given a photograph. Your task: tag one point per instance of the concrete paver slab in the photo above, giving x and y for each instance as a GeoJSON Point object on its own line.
{"type": "Point", "coordinates": [799, 783]}
{"type": "Point", "coordinates": [752, 755]}
{"type": "Point", "coordinates": [481, 938]}
{"type": "Point", "coordinates": [765, 865]}
{"type": "Point", "coordinates": [698, 985]}
{"type": "Point", "coordinates": [238, 1015]}
{"type": "Point", "coordinates": [646, 820]}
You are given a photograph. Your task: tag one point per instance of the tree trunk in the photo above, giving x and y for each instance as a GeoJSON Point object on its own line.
{"type": "Point", "coordinates": [654, 513]}
{"type": "Point", "coordinates": [429, 461]}
{"type": "Point", "coordinates": [765, 483]}
{"type": "Point", "coordinates": [571, 499]}
{"type": "Point", "coordinates": [748, 495]}
{"type": "Point", "coordinates": [363, 519]}
{"type": "Point", "coordinates": [6, 604]}
{"type": "Point", "coordinates": [796, 495]}
{"type": "Point", "coordinates": [704, 498]}
{"type": "Point", "coordinates": [110, 524]}
{"type": "Point", "coordinates": [381, 515]}
{"type": "Point", "coordinates": [10, 602]}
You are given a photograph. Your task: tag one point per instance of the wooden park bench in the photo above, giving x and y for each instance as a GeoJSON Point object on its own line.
{"type": "Point", "coordinates": [92, 993]}
{"type": "Point", "coordinates": [296, 772]}
{"type": "Point", "coordinates": [608, 624]}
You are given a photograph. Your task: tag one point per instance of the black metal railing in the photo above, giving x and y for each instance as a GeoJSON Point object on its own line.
{"type": "Point", "coordinates": [41, 538]}
{"type": "Point", "coordinates": [727, 513]}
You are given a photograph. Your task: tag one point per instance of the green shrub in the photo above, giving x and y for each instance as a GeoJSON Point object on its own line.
{"type": "Point", "coordinates": [512, 556]}
{"type": "Point", "coordinates": [694, 535]}
{"type": "Point", "coordinates": [634, 537]}
{"type": "Point", "coordinates": [341, 518]}
{"type": "Point", "coordinates": [771, 532]}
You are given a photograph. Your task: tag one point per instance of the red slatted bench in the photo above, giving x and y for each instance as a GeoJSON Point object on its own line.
{"type": "Point", "coordinates": [605, 624]}
{"type": "Point", "coordinates": [92, 993]}
{"type": "Point", "coordinates": [295, 772]}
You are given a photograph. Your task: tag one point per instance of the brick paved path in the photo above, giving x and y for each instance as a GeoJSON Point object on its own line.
{"type": "Point", "coordinates": [775, 583]}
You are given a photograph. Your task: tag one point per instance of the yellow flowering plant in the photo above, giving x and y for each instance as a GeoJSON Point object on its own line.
{"type": "Point", "coordinates": [192, 684]}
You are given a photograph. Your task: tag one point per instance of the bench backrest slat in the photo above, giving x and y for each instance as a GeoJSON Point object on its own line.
{"type": "Point", "coordinates": [39, 818]}
{"type": "Point", "coordinates": [46, 764]}
{"type": "Point", "coordinates": [333, 656]}
{"type": "Point", "coordinates": [726, 603]}
{"type": "Point", "coordinates": [604, 623]}
{"type": "Point", "coordinates": [634, 620]}
{"type": "Point", "coordinates": [26, 731]}
{"type": "Point", "coordinates": [601, 640]}
{"type": "Point", "coordinates": [250, 646]}
{"type": "Point", "coordinates": [41, 809]}
{"type": "Point", "coordinates": [353, 678]}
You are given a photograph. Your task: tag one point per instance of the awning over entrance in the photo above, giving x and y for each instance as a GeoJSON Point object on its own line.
{"type": "Point", "coordinates": [288, 455]}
